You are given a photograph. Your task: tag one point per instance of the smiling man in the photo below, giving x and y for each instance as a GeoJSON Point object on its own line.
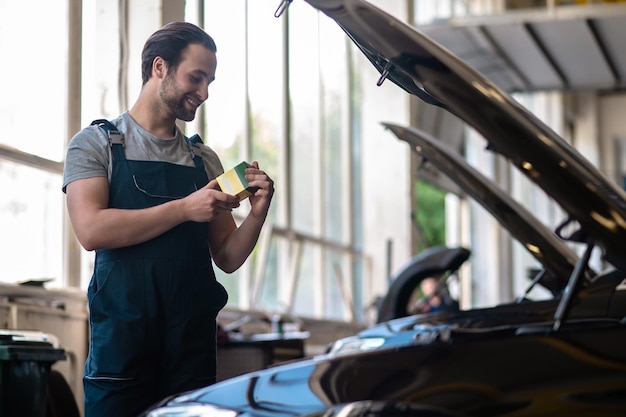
{"type": "Point", "coordinates": [144, 197]}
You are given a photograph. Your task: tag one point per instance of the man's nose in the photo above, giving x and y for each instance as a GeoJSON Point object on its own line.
{"type": "Point", "coordinates": [203, 92]}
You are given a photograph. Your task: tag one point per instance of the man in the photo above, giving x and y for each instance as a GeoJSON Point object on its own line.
{"type": "Point", "coordinates": [434, 297]}
{"type": "Point", "coordinates": [150, 207]}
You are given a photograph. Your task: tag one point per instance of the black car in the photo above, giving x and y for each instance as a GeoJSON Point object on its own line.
{"type": "Point", "coordinates": [564, 356]}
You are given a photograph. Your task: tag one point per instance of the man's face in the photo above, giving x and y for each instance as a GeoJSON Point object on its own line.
{"type": "Point", "coordinates": [185, 88]}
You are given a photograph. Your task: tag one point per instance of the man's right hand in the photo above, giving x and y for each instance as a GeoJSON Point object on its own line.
{"type": "Point", "coordinates": [208, 203]}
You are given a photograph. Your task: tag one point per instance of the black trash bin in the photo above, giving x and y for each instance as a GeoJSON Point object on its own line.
{"type": "Point", "coordinates": [25, 363]}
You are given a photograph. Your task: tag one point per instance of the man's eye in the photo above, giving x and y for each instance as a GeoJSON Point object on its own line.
{"type": "Point", "coordinates": [195, 79]}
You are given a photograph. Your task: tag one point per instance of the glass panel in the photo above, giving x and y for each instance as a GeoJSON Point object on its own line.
{"type": "Point", "coordinates": [231, 284]}
{"type": "Point", "coordinates": [270, 290]}
{"type": "Point", "coordinates": [304, 94]}
{"type": "Point", "coordinates": [304, 302]}
{"type": "Point", "coordinates": [428, 10]}
{"type": "Point", "coordinates": [336, 278]}
{"type": "Point", "coordinates": [334, 74]}
{"type": "Point", "coordinates": [87, 263]}
{"type": "Point", "coordinates": [485, 245]}
{"type": "Point", "coordinates": [266, 114]}
{"type": "Point", "coordinates": [359, 289]}
{"type": "Point", "coordinates": [356, 215]}
{"type": "Point", "coordinates": [430, 215]}
{"type": "Point", "coordinates": [226, 107]}
{"type": "Point", "coordinates": [34, 102]}
{"type": "Point", "coordinates": [31, 210]}
{"type": "Point", "coordinates": [265, 90]}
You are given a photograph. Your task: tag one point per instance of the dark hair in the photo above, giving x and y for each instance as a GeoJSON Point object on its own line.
{"type": "Point", "coordinates": [169, 42]}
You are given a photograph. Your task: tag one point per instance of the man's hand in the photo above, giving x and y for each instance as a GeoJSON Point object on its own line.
{"type": "Point", "coordinates": [208, 203]}
{"type": "Point", "coordinates": [231, 245]}
{"type": "Point", "coordinates": [261, 199]}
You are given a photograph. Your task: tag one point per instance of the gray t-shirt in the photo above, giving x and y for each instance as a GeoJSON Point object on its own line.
{"type": "Point", "coordinates": [89, 153]}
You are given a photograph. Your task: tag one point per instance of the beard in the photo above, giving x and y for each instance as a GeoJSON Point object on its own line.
{"type": "Point", "coordinates": [175, 99]}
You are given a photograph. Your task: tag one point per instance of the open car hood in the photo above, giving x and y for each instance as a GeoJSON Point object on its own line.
{"type": "Point", "coordinates": [422, 67]}
{"type": "Point", "coordinates": [557, 258]}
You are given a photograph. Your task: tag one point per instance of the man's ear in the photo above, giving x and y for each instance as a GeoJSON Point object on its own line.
{"type": "Point", "coordinates": [159, 67]}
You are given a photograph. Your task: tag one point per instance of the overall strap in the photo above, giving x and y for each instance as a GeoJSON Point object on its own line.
{"type": "Point", "coordinates": [116, 138]}
{"type": "Point", "coordinates": [197, 160]}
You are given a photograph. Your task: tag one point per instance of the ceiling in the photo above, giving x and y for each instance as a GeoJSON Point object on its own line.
{"type": "Point", "coordinates": [567, 48]}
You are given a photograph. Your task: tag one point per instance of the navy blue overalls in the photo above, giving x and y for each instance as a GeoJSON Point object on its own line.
{"type": "Point", "coordinates": [153, 305]}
